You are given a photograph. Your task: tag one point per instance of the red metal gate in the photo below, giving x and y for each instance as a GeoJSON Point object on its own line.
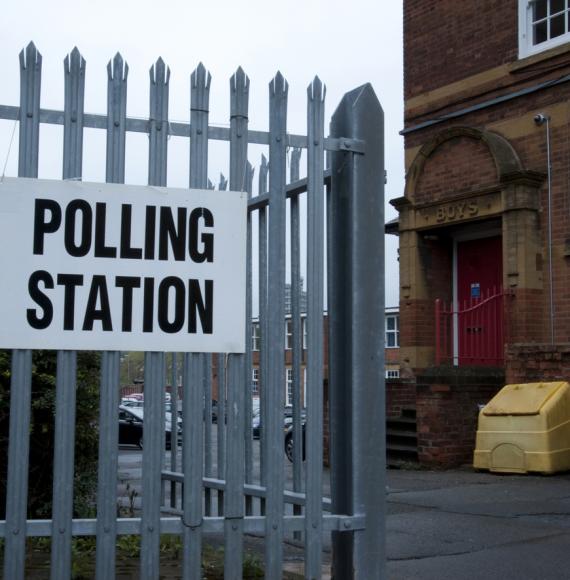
{"type": "Point", "coordinates": [472, 334]}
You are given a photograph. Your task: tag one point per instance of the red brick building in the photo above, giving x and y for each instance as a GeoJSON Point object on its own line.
{"type": "Point", "coordinates": [392, 364]}
{"type": "Point", "coordinates": [484, 222]}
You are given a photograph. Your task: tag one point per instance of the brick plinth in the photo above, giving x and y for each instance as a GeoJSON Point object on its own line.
{"type": "Point", "coordinates": [400, 394]}
{"type": "Point", "coordinates": [447, 410]}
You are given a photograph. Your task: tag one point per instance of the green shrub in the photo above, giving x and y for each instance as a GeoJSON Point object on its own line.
{"type": "Point", "coordinates": [42, 428]}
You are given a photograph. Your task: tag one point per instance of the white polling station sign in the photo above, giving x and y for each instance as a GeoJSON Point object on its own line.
{"type": "Point", "coordinates": [90, 266]}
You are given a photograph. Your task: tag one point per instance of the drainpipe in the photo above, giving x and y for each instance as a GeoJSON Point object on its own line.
{"type": "Point", "coordinates": [542, 119]}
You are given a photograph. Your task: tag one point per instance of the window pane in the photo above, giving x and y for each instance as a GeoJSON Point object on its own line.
{"type": "Point", "coordinates": [390, 323]}
{"type": "Point", "coordinates": [556, 6]}
{"type": "Point", "coordinates": [557, 26]}
{"type": "Point", "coordinates": [539, 10]}
{"type": "Point", "coordinates": [539, 33]}
{"type": "Point", "coordinates": [390, 340]}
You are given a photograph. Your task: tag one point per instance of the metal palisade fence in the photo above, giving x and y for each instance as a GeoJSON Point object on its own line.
{"type": "Point", "coordinates": [341, 239]}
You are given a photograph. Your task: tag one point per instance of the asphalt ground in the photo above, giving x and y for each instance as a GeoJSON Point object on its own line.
{"type": "Point", "coordinates": [456, 524]}
{"type": "Point", "coordinates": [466, 525]}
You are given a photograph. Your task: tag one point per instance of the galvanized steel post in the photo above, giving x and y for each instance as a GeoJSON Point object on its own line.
{"type": "Point", "coordinates": [117, 73]}
{"type": "Point", "coordinates": [356, 310]}
{"type": "Point", "coordinates": [21, 379]}
{"type": "Point", "coordinates": [64, 441]}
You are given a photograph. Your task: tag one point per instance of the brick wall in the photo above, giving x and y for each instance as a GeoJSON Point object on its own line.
{"type": "Point", "coordinates": [447, 411]}
{"type": "Point", "coordinates": [458, 165]}
{"type": "Point", "coordinates": [531, 363]}
{"type": "Point", "coordinates": [432, 55]}
{"type": "Point", "coordinates": [416, 322]}
{"type": "Point", "coordinates": [400, 394]}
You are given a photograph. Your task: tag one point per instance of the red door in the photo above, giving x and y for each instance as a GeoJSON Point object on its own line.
{"type": "Point", "coordinates": [479, 278]}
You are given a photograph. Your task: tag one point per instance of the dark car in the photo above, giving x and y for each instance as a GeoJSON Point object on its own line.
{"type": "Point", "coordinates": [289, 441]}
{"type": "Point", "coordinates": [131, 427]}
{"type": "Point", "coordinates": [287, 420]}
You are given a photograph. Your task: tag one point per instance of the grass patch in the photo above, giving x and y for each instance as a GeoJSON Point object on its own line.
{"type": "Point", "coordinates": [127, 558]}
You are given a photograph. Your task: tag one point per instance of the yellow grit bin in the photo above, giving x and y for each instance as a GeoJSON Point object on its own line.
{"type": "Point", "coordinates": [525, 428]}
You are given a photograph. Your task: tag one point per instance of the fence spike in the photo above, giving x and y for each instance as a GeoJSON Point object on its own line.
{"type": "Point", "coordinates": [74, 63]}
{"type": "Point", "coordinates": [249, 173]}
{"type": "Point", "coordinates": [294, 170]}
{"type": "Point", "coordinates": [223, 183]}
{"type": "Point", "coordinates": [263, 174]}
{"type": "Point", "coordinates": [316, 91]}
{"type": "Point", "coordinates": [30, 88]}
{"type": "Point", "coordinates": [200, 88]}
{"type": "Point", "coordinates": [30, 56]}
{"type": "Point", "coordinates": [158, 123]}
{"type": "Point", "coordinates": [278, 85]}
{"type": "Point", "coordinates": [74, 71]}
{"type": "Point", "coordinates": [239, 87]}
{"type": "Point", "coordinates": [117, 68]}
{"type": "Point", "coordinates": [159, 73]}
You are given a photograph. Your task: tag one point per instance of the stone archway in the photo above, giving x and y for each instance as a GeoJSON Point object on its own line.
{"type": "Point", "coordinates": [502, 153]}
{"type": "Point", "coordinates": [465, 175]}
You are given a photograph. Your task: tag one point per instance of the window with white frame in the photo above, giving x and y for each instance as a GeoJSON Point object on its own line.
{"type": "Point", "coordinates": [543, 24]}
{"type": "Point", "coordinates": [392, 330]}
{"type": "Point", "coordinates": [288, 387]}
{"type": "Point", "coordinates": [255, 336]}
{"type": "Point", "coordinates": [288, 334]}
{"type": "Point", "coordinates": [255, 381]}
{"type": "Point", "coordinates": [392, 373]}
{"type": "Point", "coordinates": [304, 330]}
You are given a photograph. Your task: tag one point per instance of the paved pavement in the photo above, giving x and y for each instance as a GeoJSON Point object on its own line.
{"type": "Point", "coordinates": [462, 525]}
{"type": "Point", "coordinates": [471, 526]}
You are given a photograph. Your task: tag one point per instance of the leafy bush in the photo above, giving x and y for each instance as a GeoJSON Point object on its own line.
{"type": "Point", "coordinates": [42, 429]}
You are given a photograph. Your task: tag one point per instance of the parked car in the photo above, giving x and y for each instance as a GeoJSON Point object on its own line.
{"type": "Point", "coordinates": [130, 426]}
{"type": "Point", "coordinates": [287, 427]}
{"type": "Point", "coordinates": [131, 420]}
{"type": "Point", "coordinates": [133, 400]}
{"type": "Point", "coordinates": [289, 441]}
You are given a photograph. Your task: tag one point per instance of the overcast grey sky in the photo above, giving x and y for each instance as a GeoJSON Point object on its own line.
{"type": "Point", "coordinates": [345, 44]}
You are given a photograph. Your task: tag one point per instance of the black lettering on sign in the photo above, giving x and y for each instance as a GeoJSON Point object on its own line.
{"type": "Point", "coordinates": [176, 234]}
{"type": "Point", "coordinates": [101, 250]}
{"type": "Point", "coordinates": [204, 307]}
{"type": "Point", "coordinates": [78, 208]}
{"type": "Point", "coordinates": [70, 282]}
{"type": "Point", "coordinates": [127, 251]}
{"type": "Point", "coordinates": [148, 304]}
{"type": "Point", "coordinates": [163, 302]}
{"type": "Point", "coordinates": [98, 294]}
{"type": "Point", "coordinates": [206, 254]}
{"type": "Point", "coordinates": [43, 225]}
{"type": "Point", "coordinates": [43, 321]}
{"type": "Point", "coordinates": [127, 283]}
{"type": "Point", "coordinates": [149, 232]}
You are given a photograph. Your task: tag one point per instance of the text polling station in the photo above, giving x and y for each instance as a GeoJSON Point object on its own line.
{"type": "Point", "coordinates": [120, 267]}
